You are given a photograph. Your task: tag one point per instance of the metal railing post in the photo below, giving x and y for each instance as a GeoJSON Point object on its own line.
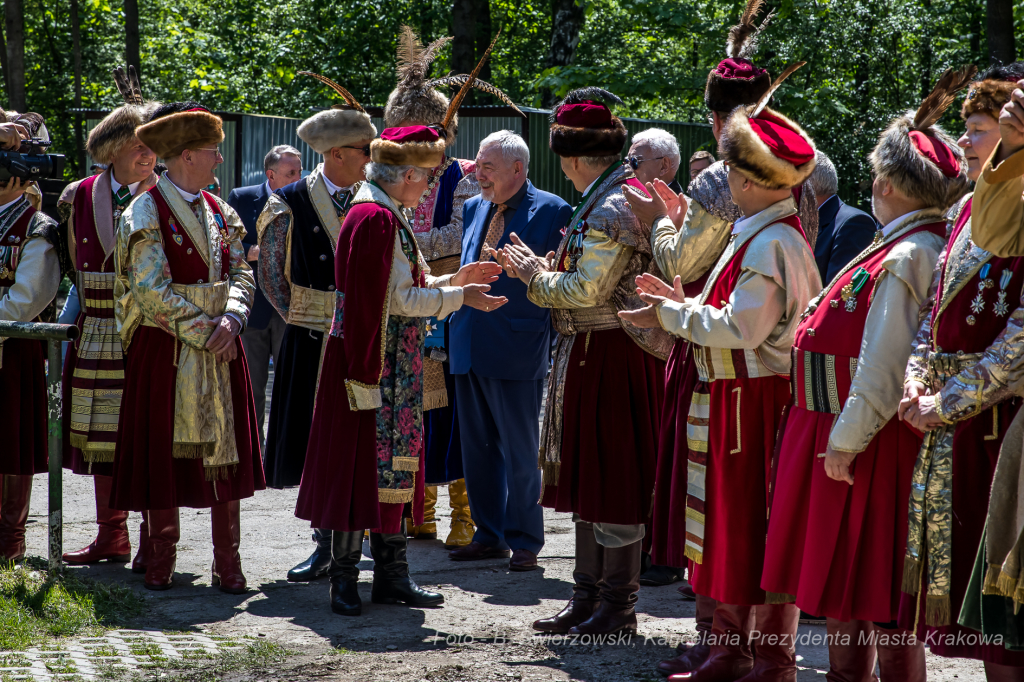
{"type": "Point", "coordinates": [54, 429]}
{"type": "Point", "coordinates": [54, 335]}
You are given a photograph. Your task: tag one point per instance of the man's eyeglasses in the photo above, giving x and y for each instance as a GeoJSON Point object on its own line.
{"type": "Point", "coordinates": [635, 161]}
{"type": "Point", "coordinates": [215, 150]}
{"type": "Point", "coordinates": [364, 149]}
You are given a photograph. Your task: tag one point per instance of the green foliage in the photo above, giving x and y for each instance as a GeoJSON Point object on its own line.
{"type": "Point", "coordinates": [868, 59]}
{"type": "Point", "coordinates": [36, 606]}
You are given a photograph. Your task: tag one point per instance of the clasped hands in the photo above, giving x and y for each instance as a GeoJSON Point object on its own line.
{"type": "Point", "coordinates": [222, 341]}
{"type": "Point", "coordinates": [918, 409]}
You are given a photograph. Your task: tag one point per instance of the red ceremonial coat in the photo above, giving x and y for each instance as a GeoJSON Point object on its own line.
{"type": "Point", "coordinates": [22, 375]}
{"type": "Point", "coordinates": [146, 474]}
{"type": "Point", "coordinates": [836, 548]}
{"type": "Point", "coordinates": [734, 416]}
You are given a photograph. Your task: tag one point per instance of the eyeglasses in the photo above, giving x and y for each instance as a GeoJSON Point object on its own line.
{"type": "Point", "coordinates": [215, 150]}
{"type": "Point", "coordinates": [212, 187]}
{"type": "Point", "coordinates": [364, 149]}
{"type": "Point", "coordinates": [634, 161]}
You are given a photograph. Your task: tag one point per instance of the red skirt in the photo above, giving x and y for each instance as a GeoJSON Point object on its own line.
{"type": "Point", "coordinates": [976, 444]}
{"type": "Point", "coordinates": [839, 548]}
{"type": "Point", "coordinates": [745, 416]}
{"type": "Point", "coordinates": [610, 423]}
{"type": "Point", "coordinates": [73, 458]}
{"type": "Point", "coordinates": [146, 475]}
{"type": "Point", "coordinates": [23, 408]}
{"type": "Point", "coordinates": [668, 526]}
{"type": "Point", "coordinates": [339, 480]}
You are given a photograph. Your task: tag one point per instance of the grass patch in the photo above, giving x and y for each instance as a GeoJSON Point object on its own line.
{"type": "Point", "coordinates": [200, 666]}
{"type": "Point", "coordinates": [37, 607]}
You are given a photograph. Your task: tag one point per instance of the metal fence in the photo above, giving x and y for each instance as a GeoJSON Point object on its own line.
{"type": "Point", "coordinates": [248, 137]}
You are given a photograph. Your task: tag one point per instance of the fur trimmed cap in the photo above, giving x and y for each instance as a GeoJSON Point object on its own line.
{"type": "Point", "coordinates": [178, 126]}
{"type": "Point", "coordinates": [767, 148]}
{"type": "Point", "coordinates": [420, 146]}
{"type": "Point", "coordinates": [737, 81]}
{"type": "Point", "coordinates": [583, 125]}
{"type": "Point", "coordinates": [117, 129]}
{"type": "Point", "coordinates": [917, 156]}
{"type": "Point", "coordinates": [992, 90]}
{"type": "Point", "coordinates": [339, 126]}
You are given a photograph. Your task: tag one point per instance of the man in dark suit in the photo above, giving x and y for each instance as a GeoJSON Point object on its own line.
{"type": "Point", "coordinates": [843, 231]}
{"type": "Point", "coordinates": [500, 359]}
{"type": "Point", "coordinates": [262, 337]}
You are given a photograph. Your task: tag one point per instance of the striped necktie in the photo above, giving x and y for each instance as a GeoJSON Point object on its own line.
{"type": "Point", "coordinates": [340, 200]}
{"type": "Point", "coordinates": [122, 196]}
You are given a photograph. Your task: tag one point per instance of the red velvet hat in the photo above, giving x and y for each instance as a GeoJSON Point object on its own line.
{"type": "Point", "coordinates": [737, 80]}
{"type": "Point", "coordinates": [583, 125]}
{"type": "Point", "coordinates": [767, 147]}
{"type": "Point", "coordinates": [917, 156]}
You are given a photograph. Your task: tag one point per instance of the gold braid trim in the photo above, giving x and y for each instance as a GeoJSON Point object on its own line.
{"type": "Point", "coordinates": [405, 464]}
{"type": "Point", "coordinates": [98, 456]}
{"type": "Point", "coordinates": [363, 396]}
{"type": "Point", "coordinates": [191, 450]}
{"type": "Point", "coordinates": [392, 496]}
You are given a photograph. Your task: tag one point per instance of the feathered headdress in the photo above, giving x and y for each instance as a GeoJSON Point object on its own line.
{"type": "Point", "coordinates": [582, 124]}
{"type": "Point", "coordinates": [414, 101]}
{"type": "Point", "coordinates": [117, 129]}
{"type": "Point", "coordinates": [340, 126]}
{"type": "Point", "coordinates": [920, 159]}
{"type": "Point", "coordinates": [764, 145]}
{"type": "Point", "coordinates": [737, 80]}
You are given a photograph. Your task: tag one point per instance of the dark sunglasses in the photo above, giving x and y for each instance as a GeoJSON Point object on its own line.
{"type": "Point", "coordinates": [365, 149]}
{"type": "Point", "coordinates": [634, 162]}
{"type": "Point", "coordinates": [211, 187]}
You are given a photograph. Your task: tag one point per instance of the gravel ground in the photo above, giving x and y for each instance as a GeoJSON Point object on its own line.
{"type": "Point", "coordinates": [482, 632]}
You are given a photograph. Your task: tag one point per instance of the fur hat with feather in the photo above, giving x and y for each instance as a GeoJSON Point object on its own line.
{"type": "Point", "coordinates": [765, 146]}
{"type": "Point", "coordinates": [992, 90]}
{"type": "Point", "coordinates": [177, 126]}
{"type": "Point", "coordinates": [917, 156]}
{"type": "Point", "coordinates": [340, 126]}
{"type": "Point", "coordinates": [110, 136]}
{"type": "Point", "coordinates": [737, 80]}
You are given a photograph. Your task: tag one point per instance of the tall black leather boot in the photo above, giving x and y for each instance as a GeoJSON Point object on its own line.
{"type": "Point", "coordinates": [346, 550]}
{"type": "Point", "coordinates": [391, 581]}
{"type": "Point", "coordinates": [318, 562]}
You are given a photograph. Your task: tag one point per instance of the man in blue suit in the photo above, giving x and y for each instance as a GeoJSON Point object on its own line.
{"type": "Point", "coordinates": [500, 360]}
{"type": "Point", "coordinates": [843, 231]}
{"type": "Point", "coordinates": [262, 336]}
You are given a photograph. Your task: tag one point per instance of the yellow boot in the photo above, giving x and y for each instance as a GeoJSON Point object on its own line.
{"type": "Point", "coordinates": [462, 523]}
{"type": "Point", "coordinates": [428, 531]}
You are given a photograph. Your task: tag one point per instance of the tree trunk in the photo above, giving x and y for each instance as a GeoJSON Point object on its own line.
{"type": "Point", "coordinates": [76, 50]}
{"type": "Point", "coordinates": [484, 35]}
{"type": "Point", "coordinates": [567, 21]}
{"type": "Point", "coordinates": [464, 35]}
{"type": "Point", "coordinates": [3, 62]}
{"type": "Point", "coordinates": [131, 36]}
{"type": "Point", "coordinates": [1000, 31]}
{"type": "Point", "coordinates": [14, 23]}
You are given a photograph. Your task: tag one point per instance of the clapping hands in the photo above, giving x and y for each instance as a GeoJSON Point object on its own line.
{"type": "Point", "coordinates": [661, 202]}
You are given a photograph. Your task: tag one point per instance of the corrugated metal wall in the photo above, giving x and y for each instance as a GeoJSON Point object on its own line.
{"type": "Point", "coordinates": [260, 133]}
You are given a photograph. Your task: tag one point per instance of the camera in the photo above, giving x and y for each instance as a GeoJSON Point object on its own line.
{"type": "Point", "coordinates": [31, 162]}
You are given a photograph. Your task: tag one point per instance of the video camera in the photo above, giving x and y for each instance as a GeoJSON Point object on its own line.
{"type": "Point", "coordinates": [31, 162]}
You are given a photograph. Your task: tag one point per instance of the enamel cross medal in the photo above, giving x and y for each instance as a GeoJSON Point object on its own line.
{"type": "Point", "coordinates": [1001, 307]}
{"type": "Point", "coordinates": [850, 291]}
{"type": "Point", "coordinates": [978, 302]}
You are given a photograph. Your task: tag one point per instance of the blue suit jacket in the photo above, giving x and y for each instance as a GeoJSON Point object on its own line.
{"type": "Point", "coordinates": [514, 341]}
{"type": "Point", "coordinates": [843, 232]}
{"type": "Point", "coordinates": [248, 203]}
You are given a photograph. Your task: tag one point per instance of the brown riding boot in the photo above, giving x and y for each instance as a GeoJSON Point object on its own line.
{"type": "Point", "coordinates": [164, 533]}
{"type": "Point", "coordinates": [899, 659]}
{"type": "Point", "coordinates": [775, 648]}
{"type": "Point", "coordinates": [111, 543]}
{"type": "Point", "coordinates": [694, 657]}
{"type": "Point", "coordinates": [848, 659]}
{"type": "Point", "coordinates": [619, 587]}
{"type": "Point", "coordinates": [15, 495]}
{"type": "Point", "coordinates": [227, 536]}
{"type": "Point", "coordinates": [585, 592]}
{"type": "Point", "coordinates": [730, 657]}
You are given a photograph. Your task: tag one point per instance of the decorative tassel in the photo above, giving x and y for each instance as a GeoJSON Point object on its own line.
{"type": "Point", "coordinates": [1006, 585]}
{"type": "Point", "coordinates": [1018, 599]}
{"type": "Point", "coordinates": [435, 400]}
{"type": "Point", "coordinates": [220, 473]}
{"type": "Point", "coordinates": [911, 575]}
{"type": "Point", "coordinates": [990, 585]}
{"type": "Point", "coordinates": [393, 496]}
{"type": "Point", "coordinates": [91, 456]}
{"type": "Point", "coordinates": [937, 610]}
{"type": "Point", "coordinates": [405, 464]}
{"type": "Point", "coordinates": [79, 441]}
{"type": "Point", "coordinates": [191, 450]}
{"type": "Point", "coordinates": [779, 598]}
{"type": "Point", "coordinates": [551, 471]}
{"type": "Point", "coordinates": [693, 554]}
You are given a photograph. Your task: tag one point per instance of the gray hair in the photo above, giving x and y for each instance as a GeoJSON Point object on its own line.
{"type": "Point", "coordinates": [513, 147]}
{"type": "Point", "coordinates": [386, 174]}
{"type": "Point", "coordinates": [661, 142]}
{"type": "Point", "coordinates": [601, 162]}
{"type": "Point", "coordinates": [273, 157]}
{"type": "Point", "coordinates": [824, 179]}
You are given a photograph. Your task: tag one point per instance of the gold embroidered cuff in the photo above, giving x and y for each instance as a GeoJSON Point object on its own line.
{"type": "Point", "coordinates": [362, 396]}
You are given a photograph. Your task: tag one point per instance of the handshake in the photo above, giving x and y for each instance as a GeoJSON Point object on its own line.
{"type": "Point", "coordinates": [516, 259]}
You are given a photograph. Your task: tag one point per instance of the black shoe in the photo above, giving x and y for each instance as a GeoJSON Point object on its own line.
{"type": "Point", "coordinates": [319, 561]}
{"type": "Point", "coordinates": [345, 599]}
{"type": "Point", "coordinates": [659, 576]}
{"type": "Point", "coordinates": [404, 590]}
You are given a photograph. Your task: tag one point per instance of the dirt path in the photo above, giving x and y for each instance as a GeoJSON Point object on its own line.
{"type": "Point", "coordinates": [482, 632]}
